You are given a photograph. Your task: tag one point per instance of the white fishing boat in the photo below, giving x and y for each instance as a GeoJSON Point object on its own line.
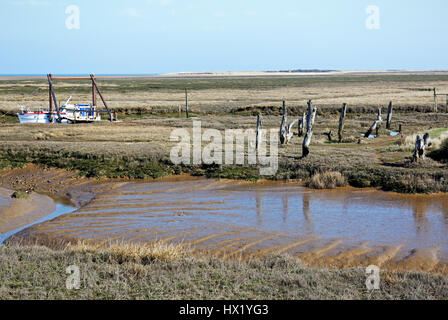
{"type": "Point", "coordinates": [68, 113]}
{"type": "Point", "coordinates": [72, 113]}
{"type": "Point", "coordinates": [26, 115]}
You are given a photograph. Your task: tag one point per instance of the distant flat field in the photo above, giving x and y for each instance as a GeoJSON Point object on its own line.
{"type": "Point", "coordinates": [225, 91]}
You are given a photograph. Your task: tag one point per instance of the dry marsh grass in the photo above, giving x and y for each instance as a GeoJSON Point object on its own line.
{"type": "Point", "coordinates": [131, 252]}
{"type": "Point", "coordinates": [327, 180]}
{"type": "Point", "coordinates": [219, 95]}
{"type": "Point", "coordinates": [33, 272]}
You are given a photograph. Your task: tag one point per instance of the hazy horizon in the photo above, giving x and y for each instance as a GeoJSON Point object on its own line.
{"type": "Point", "coordinates": [292, 70]}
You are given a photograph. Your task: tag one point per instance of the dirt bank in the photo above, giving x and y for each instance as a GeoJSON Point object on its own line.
{"type": "Point", "coordinates": [55, 182]}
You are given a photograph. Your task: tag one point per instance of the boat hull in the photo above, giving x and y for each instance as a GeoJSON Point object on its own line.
{"type": "Point", "coordinates": [43, 117]}
{"type": "Point", "coordinates": [67, 114]}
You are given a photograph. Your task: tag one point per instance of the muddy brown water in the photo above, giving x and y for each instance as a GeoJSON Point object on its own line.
{"type": "Point", "coordinates": [344, 227]}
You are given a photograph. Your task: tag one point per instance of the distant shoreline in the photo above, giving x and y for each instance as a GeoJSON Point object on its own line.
{"type": "Point", "coordinates": [205, 74]}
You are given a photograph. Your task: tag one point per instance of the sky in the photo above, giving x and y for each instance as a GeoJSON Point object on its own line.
{"type": "Point", "coordinates": [166, 36]}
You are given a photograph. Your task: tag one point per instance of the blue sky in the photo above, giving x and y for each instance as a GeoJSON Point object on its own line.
{"type": "Point", "coordinates": [162, 36]}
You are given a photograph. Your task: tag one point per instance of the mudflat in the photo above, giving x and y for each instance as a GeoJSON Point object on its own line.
{"type": "Point", "coordinates": [16, 213]}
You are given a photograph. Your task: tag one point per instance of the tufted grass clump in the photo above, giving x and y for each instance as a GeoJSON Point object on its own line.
{"type": "Point", "coordinates": [327, 180]}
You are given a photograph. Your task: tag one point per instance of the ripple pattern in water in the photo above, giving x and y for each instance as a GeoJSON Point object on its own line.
{"type": "Point", "coordinates": [238, 217]}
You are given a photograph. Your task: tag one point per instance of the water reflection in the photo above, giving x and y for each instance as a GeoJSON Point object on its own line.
{"type": "Point", "coordinates": [285, 207]}
{"type": "Point", "coordinates": [421, 222]}
{"type": "Point", "coordinates": [259, 206]}
{"type": "Point", "coordinates": [309, 227]}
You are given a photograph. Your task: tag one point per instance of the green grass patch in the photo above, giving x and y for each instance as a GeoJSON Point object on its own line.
{"type": "Point", "coordinates": [436, 133]}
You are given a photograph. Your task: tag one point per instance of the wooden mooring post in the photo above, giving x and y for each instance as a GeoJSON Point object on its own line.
{"type": "Point", "coordinates": [375, 126]}
{"type": "Point", "coordinates": [446, 103]}
{"type": "Point", "coordinates": [435, 99]}
{"type": "Point", "coordinates": [301, 125]}
{"type": "Point", "coordinates": [310, 117]}
{"type": "Point", "coordinates": [389, 115]}
{"type": "Point", "coordinates": [286, 132]}
{"type": "Point", "coordinates": [283, 124]}
{"type": "Point", "coordinates": [259, 128]}
{"type": "Point", "coordinates": [186, 103]}
{"type": "Point", "coordinates": [342, 123]}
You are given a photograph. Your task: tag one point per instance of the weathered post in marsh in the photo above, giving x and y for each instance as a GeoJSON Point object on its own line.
{"type": "Point", "coordinates": [186, 103]}
{"type": "Point", "coordinates": [435, 99]}
{"type": "Point", "coordinates": [286, 132]}
{"type": "Point", "coordinates": [289, 132]}
{"type": "Point", "coordinates": [380, 121]}
{"type": "Point", "coordinates": [375, 126]}
{"type": "Point", "coordinates": [342, 123]}
{"type": "Point", "coordinates": [259, 128]}
{"type": "Point", "coordinates": [421, 145]}
{"type": "Point", "coordinates": [389, 115]}
{"type": "Point", "coordinates": [310, 117]}
{"type": "Point", "coordinates": [301, 125]}
{"type": "Point", "coordinates": [283, 124]}
{"type": "Point", "coordinates": [446, 103]}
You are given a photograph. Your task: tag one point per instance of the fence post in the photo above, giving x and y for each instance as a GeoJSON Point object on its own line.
{"type": "Point", "coordinates": [447, 103]}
